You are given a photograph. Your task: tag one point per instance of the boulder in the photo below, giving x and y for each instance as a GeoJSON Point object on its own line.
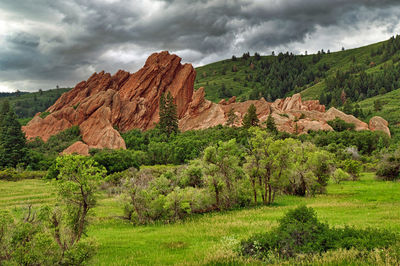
{"type": "Point", "coordinates": [333, 113]}
{"type": "Point", "coordinates": [77, 148]}
{"type": "Point", "coordinates": [377, 123]}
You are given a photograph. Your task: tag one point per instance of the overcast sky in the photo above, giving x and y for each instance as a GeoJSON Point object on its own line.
{"type": "Point", "coordinates": [48, 42]}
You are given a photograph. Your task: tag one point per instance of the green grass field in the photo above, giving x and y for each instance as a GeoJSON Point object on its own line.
{"type": "Point", "coordinates": [205, 239]}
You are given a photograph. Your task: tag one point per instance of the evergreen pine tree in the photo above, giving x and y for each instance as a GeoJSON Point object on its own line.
{"type": "Point", "coordinates": [271, 124]}
{"type": "Point", "coordinates": [232, 118]}
{"type": "Point", "coordinates": [5, 108]}
{"type": "Point", "coordinates": [168, 115]}
{"type": "Point", "coordinates": [250, 119]}
{"type": "Point", "coordinates": [12, 140]}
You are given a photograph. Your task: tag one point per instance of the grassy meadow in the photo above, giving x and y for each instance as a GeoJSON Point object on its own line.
{"type": "Point", "coordinates": [210, 238]}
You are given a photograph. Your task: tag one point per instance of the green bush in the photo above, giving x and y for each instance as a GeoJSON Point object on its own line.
{"type": "Point", "coordinates": [116, 160]}
{"type": "Point", "coordinates": [41, 155]}
{"type": "Point", "coordinates": [11, 174]}
{"type": "Point", "coordinates": [340, 125]}
{"type": "Point", "coordinates": [352, 167]}
{"type": "Point", "coordinates": [389, 167]}
{"type": "Point", "coordinates": [300, 232]}
{"type": "Point", "coordinates": [192, 176]}
{"type": "Point", "coordinates": [339, 175]}
{"type": "Point", "coordinates": [33, 241]}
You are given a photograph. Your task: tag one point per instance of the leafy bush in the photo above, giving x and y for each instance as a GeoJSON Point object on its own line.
{"type": "Point", "coordinates": [389, 167]}
{"type": "Point", "coordinates": [42, 154]}
{"type": "Point", "coordinates": [339, 175]}
{"type": "Point", "coordinates": [33, 241]}
{"type": "Point", "coordinates": [11, 174]}
{"type": "Point", "coordinates": [300, 232]}
{"type": "Point", "coordinates": [366, 141]}
{"type": "Point", "coordinates": [116, 160]}
{"type": "Point", "coordinates": [352, 167]}
{"type": "Point", "coordinates": [151, 198]}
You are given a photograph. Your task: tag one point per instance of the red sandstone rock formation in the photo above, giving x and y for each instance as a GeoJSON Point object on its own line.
{"type": "Point", "coordinates": [378, 123]}
{"type": "Point", "coordinates": [126, 101]}
{"type": "Point", "coordinates": [78, 147]}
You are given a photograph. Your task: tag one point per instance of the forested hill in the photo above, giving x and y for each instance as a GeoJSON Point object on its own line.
{"type": "Point", "coordinates": [27, 104]}
{"type": "Point", "coordinates": [332, 77]}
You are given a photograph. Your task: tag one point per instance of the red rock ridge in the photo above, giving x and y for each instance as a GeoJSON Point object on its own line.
{"type": "Point", "coordinates": [126, 101]}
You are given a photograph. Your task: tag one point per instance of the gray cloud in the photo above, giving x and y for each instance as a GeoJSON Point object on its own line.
{"type": "Point", "coordinates": [49, 42]}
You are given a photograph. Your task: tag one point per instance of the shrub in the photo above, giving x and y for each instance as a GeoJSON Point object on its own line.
{"type": "Point", "coordinates": [116, 160]}
{"type": "Point", "coordinates": [33, 241]}
{"type": "Point", "coordinates": [340, 125]}
{"type": "Point", "coordinates": [192, 176]}
{"type": "Point", "coordinates": [44, 115]}
{"type": "Point", "coordinates": [339, 175]}
{"type": "Point", "coordinates": [389, 167]}
{"type": "Point", "coordinates": [151, 197]}
{"type": "Point", "coordinates": [352, 167]}
{"type": "Point", "coordinates": [300, 232]}
{"type": "Point", "coordinates": [11, 174]}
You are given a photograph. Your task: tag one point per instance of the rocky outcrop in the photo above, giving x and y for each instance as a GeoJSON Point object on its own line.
{"type": "Point", "coordinates": [333, 113]}
{"type": "Point", "coordinates": [106, 104]}
{"type": "Point", "coordinates": [123, 101]}
{"type": "Point", "coordinates": [78, 147]}
{"type": "Point", "coordinates": [380, 124]}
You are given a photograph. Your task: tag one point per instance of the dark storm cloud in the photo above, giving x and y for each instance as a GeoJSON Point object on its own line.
{"type": "Point", "coordinates": [48, 42]}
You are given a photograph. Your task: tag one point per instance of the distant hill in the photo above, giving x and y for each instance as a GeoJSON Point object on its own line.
{"type": "Point", "coordinates": [27, 104]}
{"type": "Point", "coordinates": [331, 77]}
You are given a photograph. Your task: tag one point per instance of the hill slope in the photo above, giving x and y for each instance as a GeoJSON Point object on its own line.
{"type": "Point", "coordinates": [27, 104]}
{"type": "Point", "coordinates": [332, 78]}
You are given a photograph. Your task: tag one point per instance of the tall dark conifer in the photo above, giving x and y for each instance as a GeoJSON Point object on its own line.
{"type": "Point", "coordinates": [5, 107]}
{"type": "Point", "coordinates": [12, 139]}
{"type": "Point", "coordinates": [250, 119]}
{"type": "Point", "coordinates": [168, 115]}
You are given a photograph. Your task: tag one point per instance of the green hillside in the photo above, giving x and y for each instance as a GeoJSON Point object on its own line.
{"type": "Point", "coordinates": [26, 104]}
{"type": "Point", "coordinates": [386, 106]}
{"type": "Point", "coordinates": [333, 78]}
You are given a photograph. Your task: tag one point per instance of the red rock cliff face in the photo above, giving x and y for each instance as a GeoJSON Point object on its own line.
{"type": "Point", "coordinates": [126, 101]}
